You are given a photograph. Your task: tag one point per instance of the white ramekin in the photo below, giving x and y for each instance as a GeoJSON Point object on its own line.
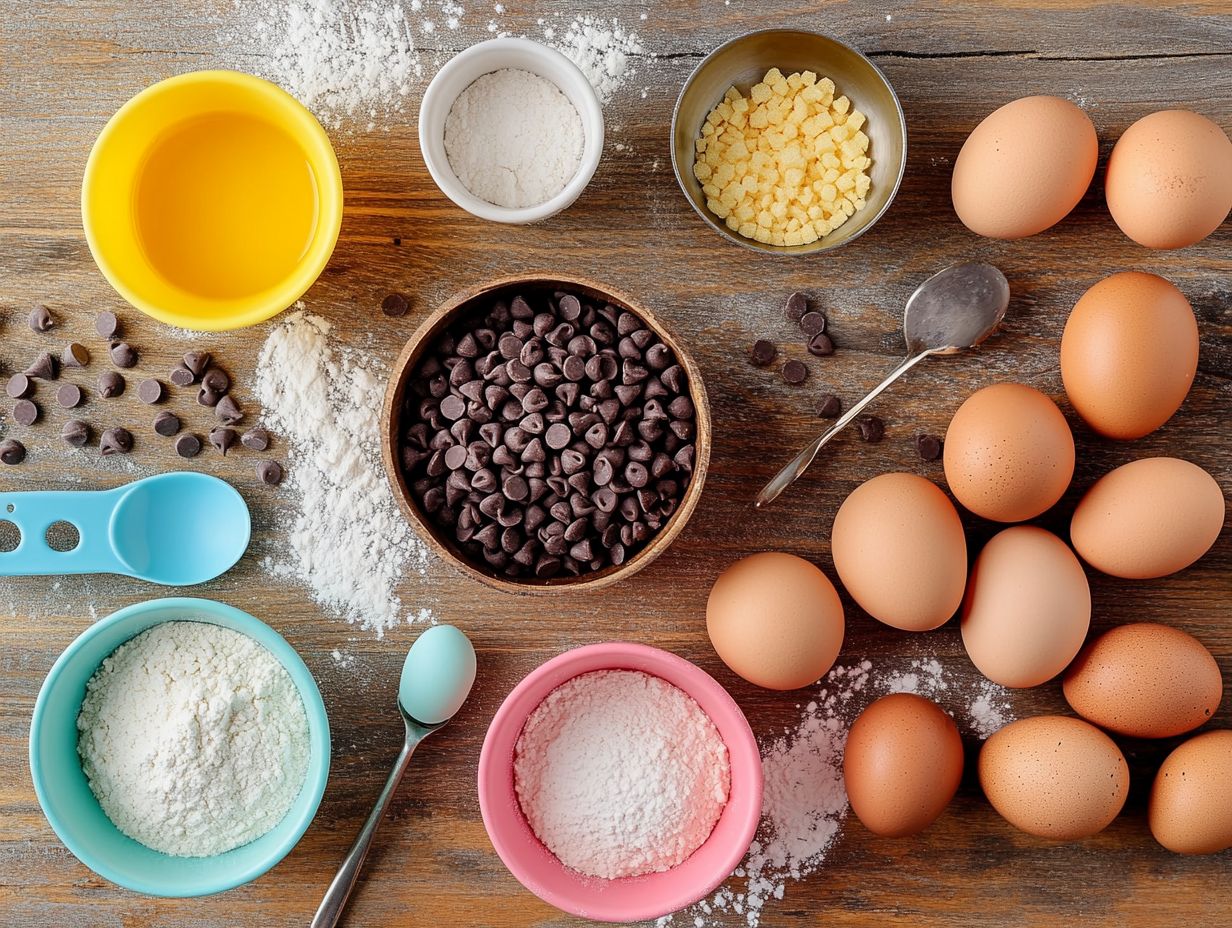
{"type": "Point", "coordinates": [493, 55]}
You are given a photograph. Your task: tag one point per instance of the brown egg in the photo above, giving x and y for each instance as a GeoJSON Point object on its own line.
{"type": "Point", "coordinates": [1129, 354]}
{"type": "Point", "coordinates": [1145, 680]}
{"type": "Point", "coordinates": [899, 549]}
{"type": "Point", "coordinates": [1148, 518]}
{"type": "Point", "coordinates": [1191, 799]}
{"type": "Point", "coordinates": [903, 763]}
{"type": "Point", "coordinates": [1024, 167]}
{"type": "Point", "coordinates": [1009, 453]}
{"type": "Point", "coordinates": [1027, 608]}
{"type": "Point", "coordinates": [776, 620]}
{"type": "Point", "coordinates": [1054, 777]}
{"type": "Point", "coordinates": [1169, 180]}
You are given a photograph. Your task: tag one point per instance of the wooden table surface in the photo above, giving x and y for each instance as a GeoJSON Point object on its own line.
{"type": "Point", "coordinates": [66, 66]}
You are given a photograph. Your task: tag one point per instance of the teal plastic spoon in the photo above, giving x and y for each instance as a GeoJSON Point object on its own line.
{"type": "Point", "coordinates": [174, 529]}
{"type": "Point", "coordinates": [436, 679]}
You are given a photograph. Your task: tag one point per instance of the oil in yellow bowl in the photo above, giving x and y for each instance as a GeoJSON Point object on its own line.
{"type": "Point", "coordinates": [212, 200]}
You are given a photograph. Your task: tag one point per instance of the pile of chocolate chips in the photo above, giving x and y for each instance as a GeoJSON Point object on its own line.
{"type": "Point", "coordinates": [549, 435]}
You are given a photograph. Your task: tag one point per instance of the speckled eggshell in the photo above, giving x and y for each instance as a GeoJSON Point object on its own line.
{"type": "Point", "coordinates": [903, 763]}
{"type": "Point", "coordinates": [1009, 453]}
{"type": "Point", "coordinates": [1024, 167]}
{"type": "Point", "coordinates": [776, 620]}
{"type": "Point", "coordinates": [1169, 179]}
{"type": "Point", "coordinates": [1191, 799]}
{"type": "Point", "coordinates": [900, 551]}
{"type": "Point", "coordinates": [1148, 518]}
{"type": "Point", "coordinates": [1145, 680]}
{"type": "Point", "coordinates": [1129, 354]}
{"type": "Point", "coordinates": [1054, 777]}
{"type": "Point", "coordinates": [1027, 608]}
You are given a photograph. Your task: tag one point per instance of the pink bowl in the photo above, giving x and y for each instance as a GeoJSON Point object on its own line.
{"type": "Point", "coordinates": [636, 898]}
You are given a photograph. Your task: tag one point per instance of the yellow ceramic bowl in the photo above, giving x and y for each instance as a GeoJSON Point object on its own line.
{"type": "Point", "coordinates": [212, 200]}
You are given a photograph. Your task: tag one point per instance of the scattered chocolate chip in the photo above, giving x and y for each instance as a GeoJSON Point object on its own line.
{"type": "Point", "coordinates": [110, 384]}
{"type": "Point", "coordinates": [123, 355]}
{"type": "Point", "coordinates": [12, 452]}
{"type": "Point", "coordinates": [794, 372]}
{"type": "Point", "coordinates": [269, 473]}
{"type": "Point", "coordinates": [872, 429]}
{"type": "Point", "coordinates": [228, 411]}
{"type": "Point", "coordinates": [75, 355]}
{"type": "Point", "coordinates": [207, 397]}
{"type": "Point", "coordinates": [106, 324]}
{"type": "Point", "coordinates": [797, 306]}
{"type": "Point", "coordinates": [69, 396]}
{"type": "Point", "coordinates": [821, 345]}
{"type": "Point", "coordinates": [188, 445]}
{"type": "Point", "coordinates": [116, 441]}
{"type": "Point", "coordinates": [258, 439]}
{"type": "Point", "coordinates": [76, 433]}
{"type": "Point", "coordinates": [19, 386]}
{"type": "Point", "coordinates": [928, 447]}
{"type": "Point", "coordinates": [813, 323]}
{"type": "Point", "coordinates": [45, 367]}
{"type": "Point", "coordinates": [197, 362]}
{"type": "Point", "coordinates": [829, 407]}
{"type": "Point", "coordinates": [215, 380]}
{"type": "Point", "coordinates": [223, 438]}
{"type": "Point", "coordinates": [150, 391]}
{"type": "Point", "coordinates": [40, 319]}
{"type": "Point", "coordinates": [394, 305]}
{"type": "Point", "coordinates": [181, 376]}
{"type": "Point", "coordinates": [763, 353]}
{"type": "Point", "coordinates": [167, 423]}
{"type": "Point", "coordinates": [26, 412]}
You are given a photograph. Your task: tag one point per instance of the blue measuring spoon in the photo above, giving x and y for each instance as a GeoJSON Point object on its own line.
{"type": "Point", "coordinates": [175, 529]}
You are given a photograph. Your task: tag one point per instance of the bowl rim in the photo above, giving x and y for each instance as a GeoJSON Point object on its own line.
{"type": "Point", "coordinates": [315, 778]}
{"type": "Point", "coordinates": [453, 188]}
{"type": "Point", "coordinates": [494, 772]}
{"type": "Point", "coordinates": [787, 251]}
{"type": "Point", "coordinates": [443, 316]}
{"type": "Point", "coordinates": [310, 135]}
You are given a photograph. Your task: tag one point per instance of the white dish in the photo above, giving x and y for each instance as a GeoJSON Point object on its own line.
{"type": "Point", "coordinates": [493, 55]}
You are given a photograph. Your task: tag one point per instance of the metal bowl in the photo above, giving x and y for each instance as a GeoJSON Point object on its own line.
{"type": "Point", "coordinates": [743, 62]}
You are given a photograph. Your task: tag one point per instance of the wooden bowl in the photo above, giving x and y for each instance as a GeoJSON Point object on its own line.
{"type": "Point", "coordinates": [447, 547]}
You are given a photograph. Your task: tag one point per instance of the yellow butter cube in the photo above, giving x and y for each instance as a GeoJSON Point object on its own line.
{"type": "Point", "coordinates": [829, 193]}
{"type": "Point", "coordinates": [760, 93]}
{"type": "Point", "coordinates": [732, 223]}
{"type": "Point", "coordinates": [855, 120]}
{"type": "Point", "coordinates": [701, 170]}
{"type": "Point", "coordinates": [762, 235]}
{"type": "Point", "coordinates": [764, 219]}
{"type": "Point", "coordinates": [808, 234]}
{"type": "Point", "coordinates": [841, 104]}
{"type": "Point", "coordinates": [793, 237]}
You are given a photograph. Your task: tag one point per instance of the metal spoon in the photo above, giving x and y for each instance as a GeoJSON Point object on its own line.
{"type": "Point", "coordinates": [953, 310]}
{"type": "Point", "coordinates": [436, 679]}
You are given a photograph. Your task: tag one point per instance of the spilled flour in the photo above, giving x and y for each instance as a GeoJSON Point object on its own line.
{"type": "Point", "coordinates": [347, 543]}
{"type": "Point", "coordinates": [601, 48]}
{"type": "Point", "coordinates": [805, 801]}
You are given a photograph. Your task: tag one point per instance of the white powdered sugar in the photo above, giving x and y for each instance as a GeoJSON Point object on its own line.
{"type": "Point", "coordinates": [603, 50]}
{"type": "Point", "coordinates": [347, 542]}
{"type": "Point", "coordinates": [619, 773]}
{"type": "Point", "coordinates": [194, 739]}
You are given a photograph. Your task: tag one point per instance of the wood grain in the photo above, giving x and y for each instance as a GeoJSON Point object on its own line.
{"type": "Point", "coordinates": [66, 66]}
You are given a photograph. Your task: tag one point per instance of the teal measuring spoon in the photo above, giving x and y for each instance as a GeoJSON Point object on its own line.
{"type": "Point", "coordinates": [174, 529]}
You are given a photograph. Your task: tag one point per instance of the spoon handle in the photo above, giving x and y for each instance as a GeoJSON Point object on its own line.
{"type": "Point", "coordinates": [796, 467]}
{"type": "Point", "coordinates": [33, 512]}
{"type": "Point", "coordinates": [330, 910]}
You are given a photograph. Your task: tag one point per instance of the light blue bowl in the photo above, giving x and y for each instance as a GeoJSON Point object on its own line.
{"type": "Point", "coordinates": [75, 814]}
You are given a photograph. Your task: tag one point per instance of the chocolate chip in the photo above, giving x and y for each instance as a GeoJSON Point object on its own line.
{"type": "Point", "coordinates": [763, 353]}
{"type": "Point", "coordinates": [45, 367]}
{"type": "Point", "coordinates": [258, 439]}
{"type": "Point", "coordinates": [150, 391]}
{"type": "Point", "coordinates": [166, 423]}
{"type": "Point", "coordinates": [813, 323]}
{"type": "Point", "coordinates": [19, 387]}
{"type": "Point", "coordinates": [794, 372]}
{"type": "Point", "coordinates": [75, 355]}
{"type": "Point", "coordinates": [223, 438]}
{"type": "Point", "coordinates": [69, 396]}
{"type": "Point", "coordinates": [207, 397]}
{"type": "Point", "coordinates": [821, 345]}
{"type": "Point", "coordinates": [26, 412]}
{"type": "Point", "coordinates": [928, 447]}
{"type": "Point", "coordinates": [872, 429]}
{"type": "Point", "coordinates": [12, 452]}
{"type": "Point", "coordinates": [270, 472]}
{"type": "Point", "coordinates": [76, 433]}
{"type": "Point", "coordinates": [228, 411]}
{"type": "Point", "coordinates": [197, 362]}
{"type": "Point", "coordinates": [393, 305]}
{"type": "Point", "coordinates": [558, 436]}
{"type": "Point", "coordinates": [123, 355]}
{"type": "Point", "coordinates": [116, 441]}
{"type": "Point", "coordinates": [829, 407]}
{"type": "Point", "coordinates": [215, 380]}
{"type": "Point", "coordinates": [106, 324]}
{"type": "Point", "coordinates": [188, 445]}
{"type": "Point", "coordinates": [181, 376]}
{"type": "Point", "coordinates": [797, 306]}
{"type": "Point", "coordinates": [40, 319]}
{"type": "Point", "coordinates": [110, 384]}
